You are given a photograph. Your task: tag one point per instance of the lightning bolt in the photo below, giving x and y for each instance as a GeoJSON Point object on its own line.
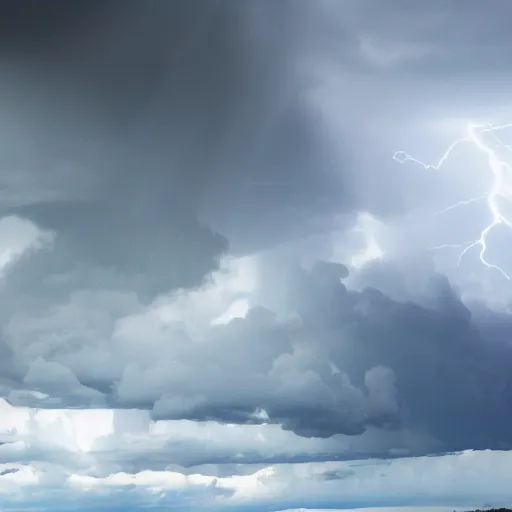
{"type": "Point", "coordinates": [499, 190]}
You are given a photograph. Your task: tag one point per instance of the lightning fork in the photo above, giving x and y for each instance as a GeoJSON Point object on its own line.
{"type": "Point", "coordinates": [498, 167]}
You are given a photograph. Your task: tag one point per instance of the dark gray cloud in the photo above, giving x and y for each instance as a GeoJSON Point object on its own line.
{"type": "Point", "coordinates": [155, 117]}
{"type": "Point", "coordinates": [170, 112]}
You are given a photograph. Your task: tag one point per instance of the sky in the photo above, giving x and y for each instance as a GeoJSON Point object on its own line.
{"type": "Point", "coordinates": [254, 255]}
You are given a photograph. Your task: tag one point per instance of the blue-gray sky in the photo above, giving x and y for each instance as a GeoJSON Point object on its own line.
{"type": "Point", "coordinates": [219, 289]}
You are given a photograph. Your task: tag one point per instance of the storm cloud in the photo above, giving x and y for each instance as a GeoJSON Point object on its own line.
{"type": "Point", "coordinates": [210, 263]}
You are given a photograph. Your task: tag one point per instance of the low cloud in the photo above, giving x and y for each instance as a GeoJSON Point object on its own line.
{"type": "Point", "coordinates": [334, 361]}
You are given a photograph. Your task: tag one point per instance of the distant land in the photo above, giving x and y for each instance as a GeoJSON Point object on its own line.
{"type": "Point", "coordinates": [493, 510]}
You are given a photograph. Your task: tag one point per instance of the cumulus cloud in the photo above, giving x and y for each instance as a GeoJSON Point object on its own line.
{"type": "Point", "coordinates": [334, 361]}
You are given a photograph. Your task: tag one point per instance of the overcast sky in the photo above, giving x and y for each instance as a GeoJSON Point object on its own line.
{"type": "Point", "coordinates": [239, 269]}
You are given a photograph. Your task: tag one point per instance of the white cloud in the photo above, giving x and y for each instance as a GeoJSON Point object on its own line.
{"type": "Point", "coordinates": [17, 237]}
{"type": "Point", "coordinates": [462, 481]}
{"type": "Point", "coordinates": [128, 438]}
{"type": "Point", "coordinates": [102, 454]}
